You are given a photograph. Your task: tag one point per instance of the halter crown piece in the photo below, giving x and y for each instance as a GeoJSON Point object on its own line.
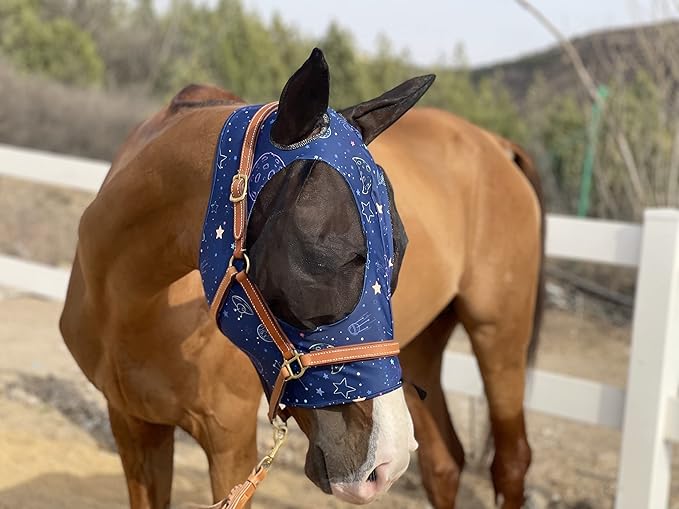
{"type": "Point", "coordinates": [350, 360]}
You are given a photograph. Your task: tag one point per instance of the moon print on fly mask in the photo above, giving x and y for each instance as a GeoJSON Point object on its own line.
{"type": "Point", "coordinates": [265, 167]}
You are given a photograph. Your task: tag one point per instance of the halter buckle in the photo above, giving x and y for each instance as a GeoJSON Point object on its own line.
{"type": "Point", "coordinates": [301, 369]}
{"type": "Point", "coordinates": [234, 186]}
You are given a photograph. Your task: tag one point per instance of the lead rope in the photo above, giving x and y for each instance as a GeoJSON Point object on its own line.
{"type": "Point", "coordinates": [241, 494]}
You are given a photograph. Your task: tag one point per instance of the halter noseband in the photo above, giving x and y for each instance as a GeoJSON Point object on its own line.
{"type": "Point", "coordinates": [294, 363]}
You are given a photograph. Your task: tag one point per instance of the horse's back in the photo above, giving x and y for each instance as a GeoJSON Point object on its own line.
{"type": "Point", "coordinates": [461, 198]}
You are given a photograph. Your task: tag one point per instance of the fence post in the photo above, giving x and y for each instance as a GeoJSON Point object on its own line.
{"type": "Point", "coordinates": [645, 458]}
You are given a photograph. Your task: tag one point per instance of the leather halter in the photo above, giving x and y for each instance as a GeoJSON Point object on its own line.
{"type": "Point", "coordinates": [295, 363]}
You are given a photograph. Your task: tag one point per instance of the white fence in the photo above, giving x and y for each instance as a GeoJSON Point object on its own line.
{"type": "Point", "coordinates": [647, 412]}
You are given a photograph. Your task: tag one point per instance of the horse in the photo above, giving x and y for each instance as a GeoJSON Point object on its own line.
{"type": "Point", "coordinates": [467, 204]}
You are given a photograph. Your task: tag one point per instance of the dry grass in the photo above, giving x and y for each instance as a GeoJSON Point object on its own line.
{"type": "Point", "coordinates": [42, 114]}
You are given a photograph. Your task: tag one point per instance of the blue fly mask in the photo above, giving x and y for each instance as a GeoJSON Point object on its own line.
{"type": "Point", "coordinates": [350, 360]}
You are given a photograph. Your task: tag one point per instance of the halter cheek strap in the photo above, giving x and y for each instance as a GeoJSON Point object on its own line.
{"type": "Point", "coordinates": [294, 363]}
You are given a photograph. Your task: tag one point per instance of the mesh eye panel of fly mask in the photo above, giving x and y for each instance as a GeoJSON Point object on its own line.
{"type": "Point", "coordinates": [340, 146]}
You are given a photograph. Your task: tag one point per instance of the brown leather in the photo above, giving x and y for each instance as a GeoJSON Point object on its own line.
{"type": "Point", "coordinates": [221, 290]}
{"type": "Point", "coordinates": [266, 316]}
{"type": "Point", "coordinates": [239, 183]}
{"type": "Point", "coordinates": [351, 353]}
{"type": "Point", "coordinates": [241, 494]}
{"type": "Point", "coordinates": [339, 355]}
{"type": "Point", "coordinates": [275, 398]}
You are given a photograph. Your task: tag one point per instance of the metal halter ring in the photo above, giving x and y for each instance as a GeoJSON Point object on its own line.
{"type": "Point", "coordinates": [287, 364]}
{"type": "Point", "coordinates": [240, 197]}
{"type": "Point", "coordinates": [247, 262]}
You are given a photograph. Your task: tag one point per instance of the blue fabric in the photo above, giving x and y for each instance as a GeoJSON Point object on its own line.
{"type": "Point", "coordinates": [341, 146]}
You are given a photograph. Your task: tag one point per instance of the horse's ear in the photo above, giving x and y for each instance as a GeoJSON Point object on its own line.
{"type": "Point", "coordinates": [374, 116]}
{"type": "Point", "coordinates": [303, 101]}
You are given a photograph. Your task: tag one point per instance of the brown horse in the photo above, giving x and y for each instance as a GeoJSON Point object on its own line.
{"type": "Point", "coordinates": [137, 322]}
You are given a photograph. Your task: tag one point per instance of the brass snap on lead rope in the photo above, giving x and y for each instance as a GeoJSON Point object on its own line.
{"type": "Point", "coordinates": [280, 433]}
{"type": "Point", "coordinates": [241, 494]}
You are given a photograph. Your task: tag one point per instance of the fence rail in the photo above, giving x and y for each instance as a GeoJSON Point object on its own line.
{"type": "Point", "coordinates": [53, 169]}
{"type": "Point", "coordinates": [647, 411]}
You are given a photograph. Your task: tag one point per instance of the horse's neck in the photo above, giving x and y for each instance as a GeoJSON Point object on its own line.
{"type": "Point", "coordinates": [143, 231]}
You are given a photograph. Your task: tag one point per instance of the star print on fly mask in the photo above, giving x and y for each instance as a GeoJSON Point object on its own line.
{"type": "Point", "coordinates": [341, 147]}
{"type": "Point", "coordinates": [343, 388]}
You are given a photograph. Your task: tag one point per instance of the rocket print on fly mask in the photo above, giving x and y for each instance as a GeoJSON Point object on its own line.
{"type": "Point", "coordinates": [340, 146]}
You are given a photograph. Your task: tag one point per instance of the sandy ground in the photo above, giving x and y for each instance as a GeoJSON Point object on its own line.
{"type": "Point", "coordinates": [56, 450]}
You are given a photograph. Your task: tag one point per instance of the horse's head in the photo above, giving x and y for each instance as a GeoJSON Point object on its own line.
{"type": "Point", "coordinates": [308, 247]}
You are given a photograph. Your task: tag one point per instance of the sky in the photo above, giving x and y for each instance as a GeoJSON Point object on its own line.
{"type": "Point", "coordinates": [490, 30]}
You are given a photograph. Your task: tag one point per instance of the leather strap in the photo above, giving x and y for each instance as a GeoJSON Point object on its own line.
{"type": "Point", "coordinates": [241, 494]}
{"type": "Point", "coordinates": [239, 184]}
{"type": "Point", "coordinates": [223, 287]}
{"type": "Point", "coordinates": [342, 354]}
{"type": "Point", "coordinates": [339, 355]}
{"type": "Point", "coordinates": [266, 316]}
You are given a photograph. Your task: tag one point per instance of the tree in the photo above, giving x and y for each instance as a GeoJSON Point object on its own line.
{"type": "Point", "coordinates": [386, 69]}
{"type": "Point", "coordinates": [56, 47]}
{"type": "Point", "coordinates": [243, 56]}
{"type": "Point", "coordinates": [557, 134]}
{"type": "Point", "coordinates": [187, 29]}
{"type": "Point", "coordinates": [487, 103]}
{"type": "Point", "coordinates": [348, 79]}
{"type": "Point", "coordinates": [638, 161]}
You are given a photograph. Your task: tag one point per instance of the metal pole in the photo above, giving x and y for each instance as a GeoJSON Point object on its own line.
{"type": "Point", "coordinates": [590, 152]}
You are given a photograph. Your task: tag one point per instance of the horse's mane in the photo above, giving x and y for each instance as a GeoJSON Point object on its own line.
{"type": "Point", "coordinates": [202, 96]}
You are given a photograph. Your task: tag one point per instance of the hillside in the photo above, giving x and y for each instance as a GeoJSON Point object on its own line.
{"type": "Point", "coordinates": [99, 116]}
{"type": "Point", "coordinates": [608, 55]}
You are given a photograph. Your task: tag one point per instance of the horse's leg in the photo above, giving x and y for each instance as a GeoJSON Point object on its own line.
{"type": "Point", "coordinates": [500, 344]}
{"type": "Point", "coordinates": [229, 439]}
{"type": "Point", "coordinates": [145, 450]}
{"type": "Point", "coordinates": [440, 453]}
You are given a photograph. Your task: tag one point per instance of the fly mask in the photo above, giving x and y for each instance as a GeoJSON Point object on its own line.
{"type": "Point", "coordinates": [350, 360]}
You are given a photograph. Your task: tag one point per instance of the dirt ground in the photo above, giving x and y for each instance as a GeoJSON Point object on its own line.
{"type": "Point", "coordinates": [56, 450]}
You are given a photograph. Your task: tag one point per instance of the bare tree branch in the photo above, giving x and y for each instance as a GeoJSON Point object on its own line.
{"type": "Point", "coordinates": [168, 39]}
{"type": "Point", "coordinates": [568, 47]}
{"type": "Point", "coordinates": [603, 185]}
{"type": "Point", "coordinates": [631, 165]}
{"type": "Point", "coordinates": [651, 164]}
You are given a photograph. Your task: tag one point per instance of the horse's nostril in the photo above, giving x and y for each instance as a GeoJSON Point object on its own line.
{"type": "Point", "coordinates": [373, 476]}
